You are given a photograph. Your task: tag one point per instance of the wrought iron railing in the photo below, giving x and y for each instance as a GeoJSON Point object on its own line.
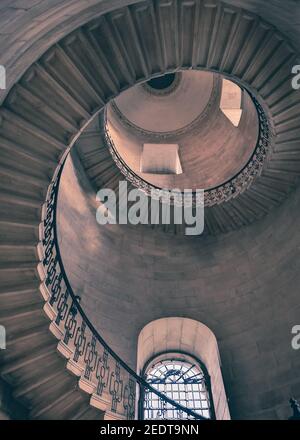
{"type": "Point", "coordinates": [219, 194]}
{"type": "Point", "coordinates": [102, 373]}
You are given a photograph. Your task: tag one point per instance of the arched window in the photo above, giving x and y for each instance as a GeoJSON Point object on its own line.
{"type": "Point", "coordinates": [180, 358]}
{"type": "Point", "coordinates": [182, 379]}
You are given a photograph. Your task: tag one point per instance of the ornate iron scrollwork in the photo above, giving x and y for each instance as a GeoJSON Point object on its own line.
{"type": "Point", "coordinates": [129, 398]}
{"type": "Point", "coordinates": [112, 378]}
{"type": "Point", "coordinates": [222, 193]}
{"type": "Point", "coordinates": [116, 387]}
{"type": "Point", "coordinates": [102, 373]}
{"type": "Point", "coordinates": [90, 357]}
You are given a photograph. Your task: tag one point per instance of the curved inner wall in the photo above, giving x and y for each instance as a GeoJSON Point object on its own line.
{"type": "Point", "coordinates": [211, 149]}
{"type": "Point", "coordinates": [143, 108]}
{"type": "Point", "coordinates": [243, 286]}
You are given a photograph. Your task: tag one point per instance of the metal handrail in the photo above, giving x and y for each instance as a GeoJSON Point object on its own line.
{"type": "Point", "coordinates": [67, 312]}
{"type": "Point", "coordinates": [220, 193]}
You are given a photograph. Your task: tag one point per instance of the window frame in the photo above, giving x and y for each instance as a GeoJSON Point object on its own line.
{"type": "Point", "coordinates": [183, 357]}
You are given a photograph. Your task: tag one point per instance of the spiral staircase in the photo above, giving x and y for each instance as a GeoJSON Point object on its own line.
{"type": "Point", "coordinates": [44, 115]}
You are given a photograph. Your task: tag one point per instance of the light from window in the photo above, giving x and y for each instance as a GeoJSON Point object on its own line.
{"type": "Point", "coordinates": [181, 381]}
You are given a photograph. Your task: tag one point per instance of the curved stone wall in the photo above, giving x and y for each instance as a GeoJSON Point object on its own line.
{"type": "Point", "coordinates": [210, 135]}
{"type": "Point", "coordinates": [242, 285]}
{"type": "Point", "coordinates": [139, 108]}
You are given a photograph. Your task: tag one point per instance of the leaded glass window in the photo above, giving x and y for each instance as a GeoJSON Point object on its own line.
{"type": "Point", "coordinates": [182, 381]}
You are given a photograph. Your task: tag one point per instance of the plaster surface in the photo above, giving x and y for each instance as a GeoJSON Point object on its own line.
{"type": "Point", "coordinates": [242, 285]}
